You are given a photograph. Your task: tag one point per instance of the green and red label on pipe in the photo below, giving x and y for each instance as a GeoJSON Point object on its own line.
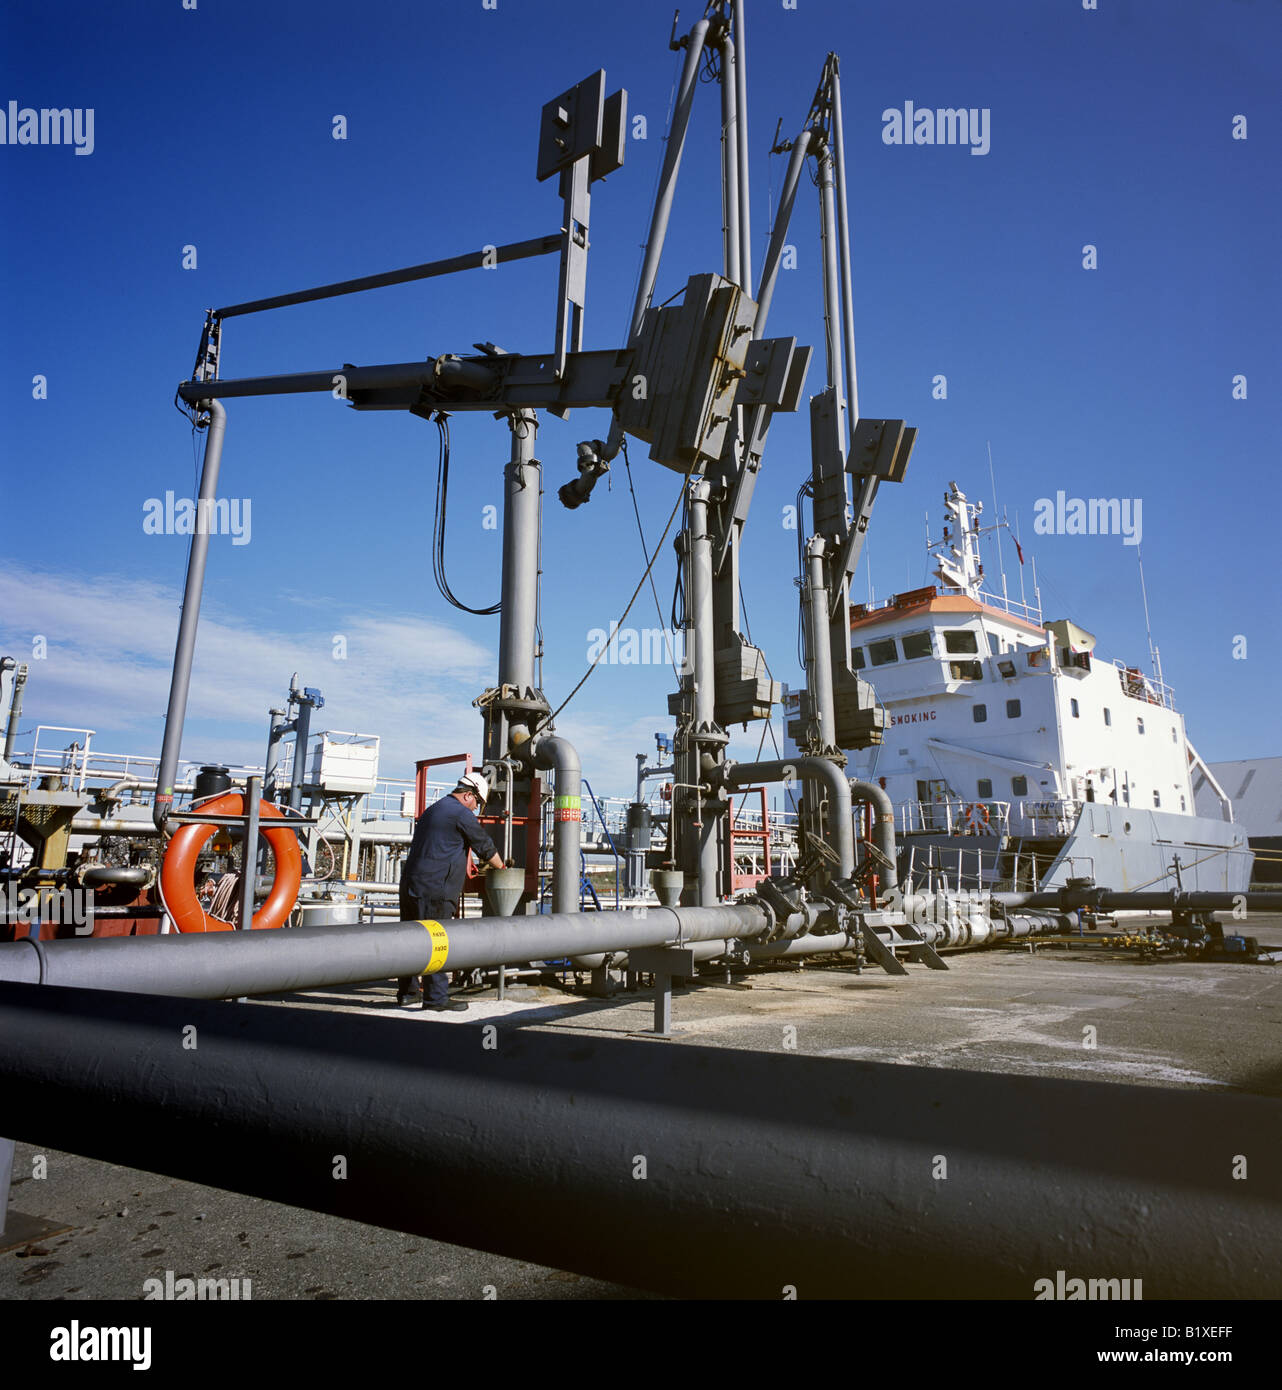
{"type": "Point", "coordinates": [568, 808]}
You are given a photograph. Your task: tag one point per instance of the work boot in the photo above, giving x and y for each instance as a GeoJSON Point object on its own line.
{"type": "Point", "coordinates": [409, 993]}
{"type": "Point", "coordinates": [451, 1006]}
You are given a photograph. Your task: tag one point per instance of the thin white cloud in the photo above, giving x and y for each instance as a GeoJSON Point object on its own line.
{"type": "Point", "coordinates": [110, 644]}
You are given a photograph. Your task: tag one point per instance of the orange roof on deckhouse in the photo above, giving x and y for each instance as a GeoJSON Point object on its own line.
{"type": "Point", "coordinates": [929, 600]}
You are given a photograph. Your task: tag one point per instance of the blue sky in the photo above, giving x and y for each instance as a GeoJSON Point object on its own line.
{"type": "Point", "coordinates": [213, 128]}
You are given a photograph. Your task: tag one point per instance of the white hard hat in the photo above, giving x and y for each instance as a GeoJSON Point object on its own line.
{"type": "Point", "coordinates": [475, 783]}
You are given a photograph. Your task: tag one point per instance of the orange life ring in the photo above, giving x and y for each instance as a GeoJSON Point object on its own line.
{"type": "Point", "coordinates": [977, 818]}
{"type": "Point", "coordinates": [178, 871]}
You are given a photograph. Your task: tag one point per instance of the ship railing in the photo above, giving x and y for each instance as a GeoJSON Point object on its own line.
{"type": "Point", "coordinates": [1147, 689]}
{"type": "Point", "coordinates": [388, 799]}
{"type": "Point", "coordinates": [86, 768]}
{"type": "Point", "coordinates": [1029, 612]}
{"type": "Point", "coordinates": [1047, 817]}
{"type": "Point", "coordinates": [931, 868]}
{"type": "Point", "coordinates": [983, 816]}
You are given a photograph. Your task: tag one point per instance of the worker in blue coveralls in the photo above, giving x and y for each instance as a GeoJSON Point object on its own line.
{"type": "Point", "coordinates": [432, 877]}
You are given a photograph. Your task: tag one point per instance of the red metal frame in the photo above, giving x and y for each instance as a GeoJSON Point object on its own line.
{"type": "Point", "coordinates": [738, 882]}
{"type": "Point", "coordinates": [473, 882]}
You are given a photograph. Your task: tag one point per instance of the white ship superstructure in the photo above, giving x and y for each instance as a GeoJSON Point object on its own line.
{"type": "Point", "coordinates": [1015, 753]}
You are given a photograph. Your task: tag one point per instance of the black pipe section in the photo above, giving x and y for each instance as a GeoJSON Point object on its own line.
{"type": "Point", "coordinates": [696, 1171]}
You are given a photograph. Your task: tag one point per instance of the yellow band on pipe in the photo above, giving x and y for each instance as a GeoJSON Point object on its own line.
{"type": "Point", "coordinates": [440, 947]}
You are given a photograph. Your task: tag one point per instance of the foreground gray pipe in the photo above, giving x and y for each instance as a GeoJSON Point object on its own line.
{"type": "Point", "coordinates": [810, 769]}
{"type": "Point", "coordinates": [226, 965]}
{"type": "Point", "coordinates": [552, 751]}
{"type": "Point", "coordinates": [700, 1172]}
{"type": "Point", "coordinates": [185, 647]}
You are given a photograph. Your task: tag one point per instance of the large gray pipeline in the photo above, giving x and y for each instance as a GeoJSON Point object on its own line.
{"type": "Point", "coordinates": [1067, 899]}
{"type": "Point", "coordinates": [226, 965]}
{"type": "Point", "coordinates": [763, 1171]}
{"type": "Point", "coordinates": [552, 751]}
{"type": "Point", "coordinates": [883, 829]}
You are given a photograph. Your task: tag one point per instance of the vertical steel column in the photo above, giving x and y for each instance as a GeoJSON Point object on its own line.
{"type": "Point", "coordinates": [185, 648]}
{"type": "Point", "coordinates": [249, 861]}
{"type": "Point", "coordinates": [818, 650]}
{"type": "Point", "coordinates": [275, 729]}
{"type": "Point", "coordinates": [15, 708]}
{"type": "Point", "coordinates": [522, 482]}
{"type": "Point", "coordinates": [730, 164]}
{"type": "Point", "coordinates": [705, 680]}
{"type": "Point", "coordinates": [779, 233]}
{"type": "Point", "coordinates": [843, 251]}
{"type": "Point", "coordinates": [832, 283]}
{"type": "Point", "coordinates": [302, 735]}
{"type": "Point", "coordinates": [741, 134]}
{"type": "Point", "coordinates": [668, 176]}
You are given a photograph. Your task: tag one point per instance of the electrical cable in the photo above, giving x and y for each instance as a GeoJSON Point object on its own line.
{"type": "Point", "coordinates": [438, 524]}
{"type": "Point", "coordinates": [636, 511]}
{"type": "Point", "coordinates": [614, 628]}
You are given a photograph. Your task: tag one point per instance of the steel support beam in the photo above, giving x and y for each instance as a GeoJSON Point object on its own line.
{"type": "Point", "coordinates": [762, 1172]}
{"type": "Point", "coordinates": [741, 140]}
{"type": "Point", "coordinates": [470, 260]}
{"type": "Point", "coordinates": [185, 648]}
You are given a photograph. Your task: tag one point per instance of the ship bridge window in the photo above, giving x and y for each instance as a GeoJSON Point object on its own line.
{"type": "Point", "coordinates": [961, 642]}
{"type": "Point", "coordinates": [966, 670]}
{"type": "Point", "coordinates": [1174, 738]}
{"type": "Point", "coordinates": [1108, 717]}
{"type": "Point", "coordinates": [1182, 805]}
{"type": "Point", "coordinates": [857, 658]}
{"type": "Point", "coordinates": [1157, 799]}
{"type": "Point", "coordinates": [985, 787]}
{"type": "Point", "coordinates": [979, 713]}
{"type": "Point", "coordinates": [883, 653]}
{"type": "Point", "coordinates": [1076, 709]}
{"type": "Point", "coordinates": [916, 644]}
{"type": "Point", "coordinates": [1139, 724]}
{"type": "Point", "coordinates": [1012, 709]}
{"type": "Point", "coordinates": [1019, 786]}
